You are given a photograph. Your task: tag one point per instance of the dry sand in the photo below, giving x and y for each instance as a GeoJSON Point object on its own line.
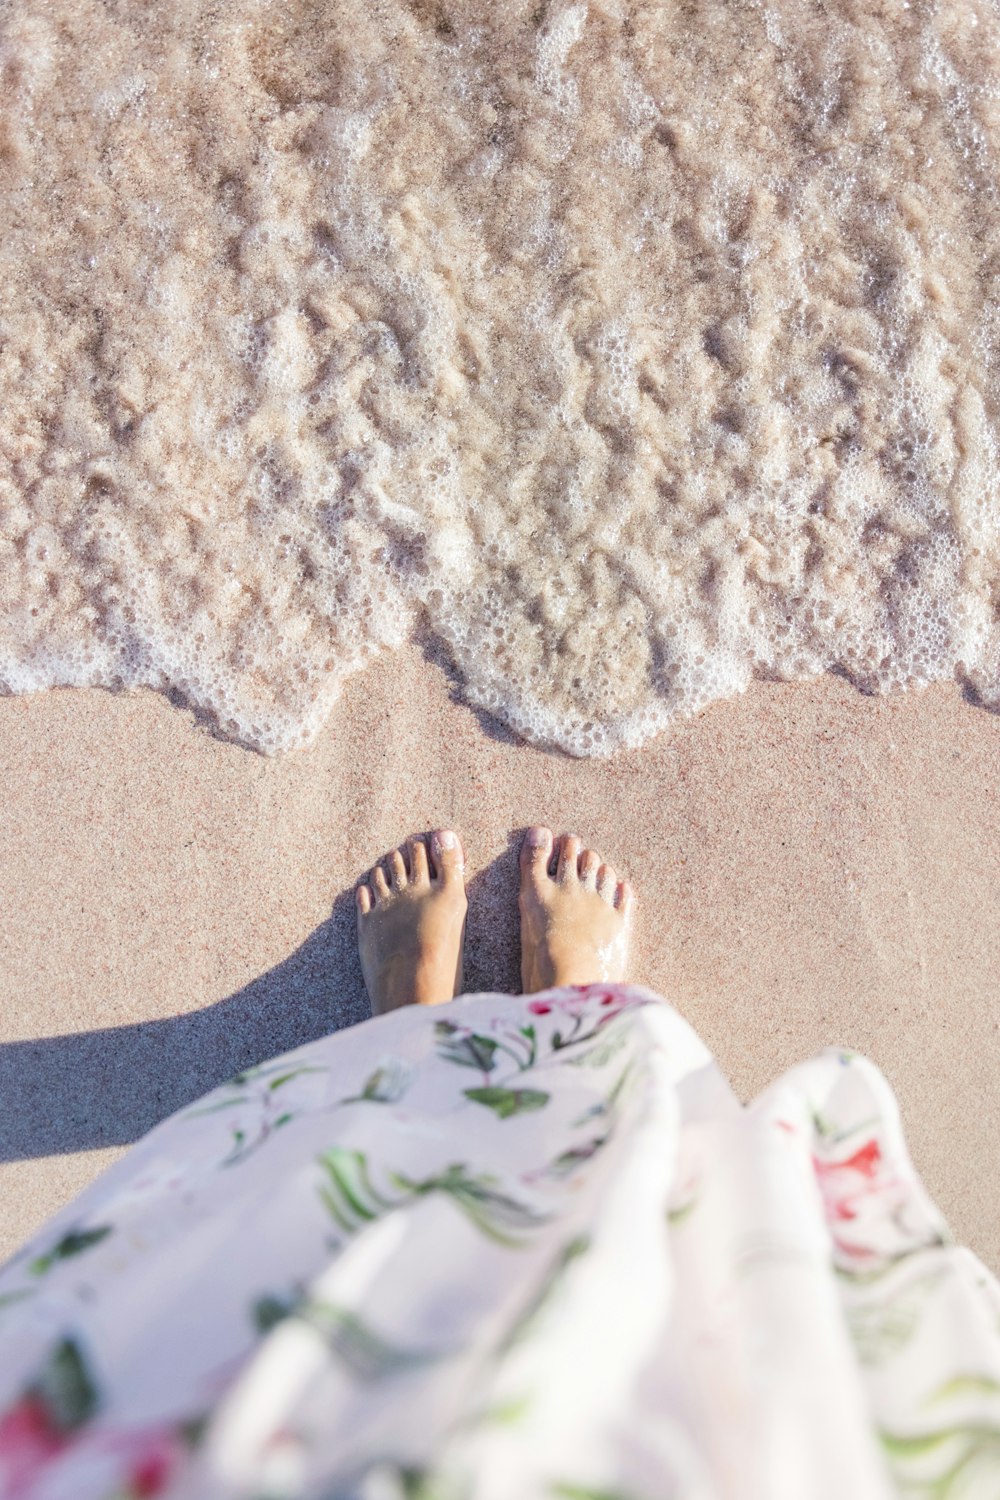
{"type": "Point", "coordinates": [815, 867]}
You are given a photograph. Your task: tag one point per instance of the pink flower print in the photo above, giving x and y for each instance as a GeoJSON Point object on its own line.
{"type": "Point", "coordinates": [848, 1186]}
{"type": "Point", "coordinates": [841, 1182]}
{"type": "Point", "coordinates": [589, 1007]}
{"type": "Point", "coordinates": [153, 1468]}
{"type": "Point", "coordinates": [145, 1461]}
{"type": "Point", "coordinates": [28, 1440]}
{"type": "Point", "coordinates": [866, 1159]}
{"type": "Point", "coordinates": [582, 998]}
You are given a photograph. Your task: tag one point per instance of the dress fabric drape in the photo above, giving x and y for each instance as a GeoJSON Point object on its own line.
{"type": "Point", "coordinates": [507, 1248]}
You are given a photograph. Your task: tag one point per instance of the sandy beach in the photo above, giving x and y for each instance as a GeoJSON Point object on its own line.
{"type": "Point", "coordinates": [815, 867]}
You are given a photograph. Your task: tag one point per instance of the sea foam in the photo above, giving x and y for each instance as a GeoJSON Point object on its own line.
{"type": "Point", "coordinates": [628, 351]}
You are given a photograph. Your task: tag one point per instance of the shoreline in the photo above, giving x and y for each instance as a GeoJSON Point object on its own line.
{"type": "Point", "coordinates": [815, 867]}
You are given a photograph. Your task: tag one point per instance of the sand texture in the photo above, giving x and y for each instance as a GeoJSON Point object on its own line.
{"type": "Point", "coordinates": [815, 866]}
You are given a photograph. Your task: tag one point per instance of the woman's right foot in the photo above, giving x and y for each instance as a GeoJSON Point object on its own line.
{"type": "Point", "coordinates": [411, 924]}
{"type": "Point", "coordinates": [576, 924]}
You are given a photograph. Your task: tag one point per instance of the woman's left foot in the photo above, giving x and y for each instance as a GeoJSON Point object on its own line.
{"type": "Point", "coordinates": [411, 924]}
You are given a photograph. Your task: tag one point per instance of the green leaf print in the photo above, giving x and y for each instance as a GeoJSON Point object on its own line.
{"type": "Point", "coordinates": [352, 1200]}
{"type": "Point", "coordinates": [502, 1218]}
{"type": "Point", "coordinates": [386, 1085]}
{"type": "Point", "coordinates": [414, 1484]}
{"type": "Point", "coordinates": [8, 1299]}
{"type": "Point", "coordinates": [611, 1104]}
{"type": "Point", "coordinates": [268, 1311]}
{"type": "Point", "coordinates": [880, 1329]}
{"type": "Point", "coordinates": [677, 1215]}
{"type": "Point", "coordinates": [962, 1447]}
{"type": "Point", "coordinates": [528, 1317]}
{"type": "Point", "coordinates": [566, 1163]}
{"type": "Point", "coordinates": [567, 1491]}
{"type": "Point", "coordinates": [965, 1385]}
{"type": "Point", "coordinates": [606, 1025]}
{"type": "Point", "coordinates": [830, 1135]}
{"type": "Point", "coordinates": [349, 1193]}
{"type": "Point", "coordinates": [279, 1083]}
{"type": "Point", "coordinates": [506, 1413]}
{"type": "Point", "coordinates": [193, 1429]}
{"type": "Point", "coordinates": [212, 1109]}
{"type": "Point", "coordinates": [367, 1355]}
{"type": "Point", "coordinates": [469, 1051]}
{"type": "Point", "coordinates": [252, 1075]}
{"type": "Point", "coordinates": [854, 1276]}
{"type": "Point", "coordinates": [64, 1388]}
{"type": "Point", "coordinates": [513, 1044]}
{"type": "Point", "coordinates": [603, 1051]}
{"type": "Point", "coordinates": [507, 1102]}
{"type": "Point", "coordinates": [422, 1484]}
{"type": "Point", "coordinates": [72, 1243]}
{"type": "Point", "coordinates": [958, 1447]}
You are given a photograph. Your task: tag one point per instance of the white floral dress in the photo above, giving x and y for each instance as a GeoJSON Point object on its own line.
{"type": "Point", "coordinates": [504, 1249]}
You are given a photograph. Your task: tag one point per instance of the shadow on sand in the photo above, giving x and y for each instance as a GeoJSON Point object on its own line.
{"type": "Point", "coordinates": [107, 1088]}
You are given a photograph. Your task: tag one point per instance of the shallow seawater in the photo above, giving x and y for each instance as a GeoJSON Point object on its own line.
{"type": "Point", "coordinates": [627, 351]}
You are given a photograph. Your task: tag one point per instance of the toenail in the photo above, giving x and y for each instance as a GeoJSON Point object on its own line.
{"type": "Point", "coordinates": [537, 838]}
{"type": "Point", "coordinates": [447, 839]}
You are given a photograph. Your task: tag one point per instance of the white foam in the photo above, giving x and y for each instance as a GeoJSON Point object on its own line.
{"type": "Point", "coordinates": [626, 366]}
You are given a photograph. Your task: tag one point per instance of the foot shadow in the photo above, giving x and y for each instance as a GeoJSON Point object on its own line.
{"type": "Point", "coordinates": [493, 941]}
{"type": "Point", "coordinates": [109, 1087]}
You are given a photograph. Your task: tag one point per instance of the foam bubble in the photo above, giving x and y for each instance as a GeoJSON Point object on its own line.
{"type": "Point", "coordinates": [627, 366]}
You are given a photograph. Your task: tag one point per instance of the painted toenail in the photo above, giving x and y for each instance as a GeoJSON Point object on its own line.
{"type": "Point", "coordinates": [537, 838]}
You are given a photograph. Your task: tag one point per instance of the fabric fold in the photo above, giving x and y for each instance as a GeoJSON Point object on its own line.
{"type": "Point", "coordinates": [525, 1246]}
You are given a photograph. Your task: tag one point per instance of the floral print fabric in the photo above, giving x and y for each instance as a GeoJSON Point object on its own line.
{"type": "Point", "coordinates": [510, 1247]}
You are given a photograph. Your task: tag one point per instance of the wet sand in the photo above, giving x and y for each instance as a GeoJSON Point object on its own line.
{"type": "Point", "coordinates": [815, 867]}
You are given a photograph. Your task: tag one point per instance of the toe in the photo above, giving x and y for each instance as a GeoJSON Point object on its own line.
{"type": "Point", "coordinates": [446, 848]}
{"type": "Point", "coordinates": [606, 882]}
{"type": "Point", "coordinates": [536, 850]}
{"type": "Point", "coordinates": [569, 854]}
{"type": "Point", "coordinates": [589, 865]}
{"type": "Point", "coordinates": [419, 868]}
{"type": "Point", "coordinates": [379, 884]}
{"type": "Point", "coordinates": [363, 896]}
{"type": "Point", "coordinates": [397, 870]}
{"type": "Point", "coordinates": [624, 897]}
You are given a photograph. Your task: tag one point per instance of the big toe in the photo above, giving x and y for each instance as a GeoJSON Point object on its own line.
{"type": "Point", "coordinates": [536, 850]}
{"type": "Point", "coordinates": [449, 858]}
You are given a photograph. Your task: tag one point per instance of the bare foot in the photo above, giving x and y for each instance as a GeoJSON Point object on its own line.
{"type": "Point", "coordinates": [576, 925]}
{"type": "Point", "coordinates": [411, 924]}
